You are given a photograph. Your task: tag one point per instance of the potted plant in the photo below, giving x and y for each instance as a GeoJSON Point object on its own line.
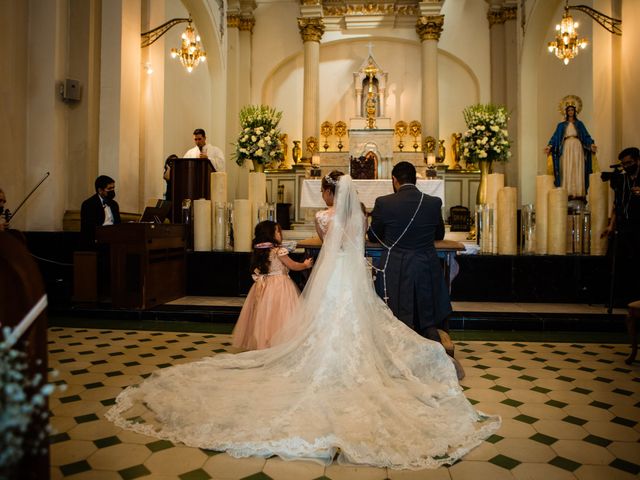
{"type": "Point", "coordinates": [486, 140]}
{"type": "Point", "coordinates": [259, 139]}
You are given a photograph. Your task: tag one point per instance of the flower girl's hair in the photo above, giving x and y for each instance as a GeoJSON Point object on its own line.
{"type": "Point", "coordinates": [264, 239]}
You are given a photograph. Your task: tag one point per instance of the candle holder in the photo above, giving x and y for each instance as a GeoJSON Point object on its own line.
{"type": "Point", "coordinates": [415, 130]}
{"type": "Point", "coordinates": [528, 230]}
{"type": "Point", "coordinates": [340, 130]}
{"type": "Point", "coordinates": [326, 130]}
{"type": "Point", "coordinates": [401, 130]}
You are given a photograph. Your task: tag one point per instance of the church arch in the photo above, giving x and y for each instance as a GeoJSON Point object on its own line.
{"type": "Point", "coordinates": [283, 84]}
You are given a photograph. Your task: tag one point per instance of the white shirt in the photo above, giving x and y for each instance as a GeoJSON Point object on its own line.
{"type": "Point", "coordinates": [108, 214]}
{"type": "Point", "coordinates": [213, 153]}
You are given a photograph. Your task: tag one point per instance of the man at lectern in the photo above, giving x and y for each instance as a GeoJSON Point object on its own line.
{"type": "Point", "coordinates": [206, 150]}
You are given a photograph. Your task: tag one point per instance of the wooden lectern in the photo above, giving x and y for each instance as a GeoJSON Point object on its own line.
{"type": "Point", "coordinates": [190, 178]}
{"type": "Point", "coordinates": [147, 263]}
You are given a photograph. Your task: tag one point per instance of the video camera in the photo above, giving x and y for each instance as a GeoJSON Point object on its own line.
{"type": "Point", "coordinates": [614, 175]}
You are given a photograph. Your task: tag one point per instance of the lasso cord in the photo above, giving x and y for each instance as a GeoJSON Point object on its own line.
{"type": "Point", "coordinates": [389, 248]}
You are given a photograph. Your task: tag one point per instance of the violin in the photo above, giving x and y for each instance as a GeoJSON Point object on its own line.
{"type": "Point", "coordinates": [4, 212]}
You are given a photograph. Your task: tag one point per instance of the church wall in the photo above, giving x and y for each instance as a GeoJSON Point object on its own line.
{"type": "Point", "coordinates": [465, 34]}
{"type": "Point", "coordinates": [275, 38]}
{"type": "Point", "coordinates": [46, 130]}
{"type": "Point", "coordinates": [83, 64]}
{"type": "Point", "coordinates": [630, 75]}
{"type": "Point", "coordinates": [458, 85]}
{"type": "Point", "coordinates": [277, 70]}
{"type": "Point", "coordinates": [152, 152]}
{"type": "Point", "coordinates": [13, 102]}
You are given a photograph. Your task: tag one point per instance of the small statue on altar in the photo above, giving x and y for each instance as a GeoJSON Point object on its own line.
{"type": "Point", "coordinates": [455, 150]}
{"type": "Point", "coordinates": [285, 151]}
{"type": "Point", "coordinates": [442, 152]}
{"type": "Point", "coordinates": [296, 152]}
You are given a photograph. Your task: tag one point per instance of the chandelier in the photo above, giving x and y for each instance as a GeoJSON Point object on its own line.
{"type": "Point", "coordinates": [567, 45]}
{"type": "Point", "coordinates": [190, 53]}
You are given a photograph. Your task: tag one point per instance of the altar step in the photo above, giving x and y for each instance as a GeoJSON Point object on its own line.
{"type": "Point", "coordinates": [553, 317]}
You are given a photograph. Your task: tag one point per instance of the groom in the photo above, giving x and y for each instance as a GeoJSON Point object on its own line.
{"type": "Point", "coordinates": [415, 287]}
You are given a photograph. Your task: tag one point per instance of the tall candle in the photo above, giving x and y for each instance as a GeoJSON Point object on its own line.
{"type": "Point", "coordinates": [257, 194]}
{"type": "Point", "coordinates": [598, 205]}
{"type": "Point", "coordinates": [544, 183]}
{"type": "Point", "coordinates": [495, 181]}
{"type": "Point", "coordinates": [218, 187]}
{"type": "Point", "coordinates": [557, 221]}
{"type": "Point", "coordinates": [507, 221]}
{"type": "Point", "coordinates": [242, 225]}
{"type": "Point", "coordinates": [202, 225]}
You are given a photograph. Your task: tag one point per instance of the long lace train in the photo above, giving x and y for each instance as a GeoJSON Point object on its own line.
{"type": "Point", "coordinates": [347, 378]}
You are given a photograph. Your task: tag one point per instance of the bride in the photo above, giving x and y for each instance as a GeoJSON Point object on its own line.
{"type": "Point", "coordinates": [346, 378]}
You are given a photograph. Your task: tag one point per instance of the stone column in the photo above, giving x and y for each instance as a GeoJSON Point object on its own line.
{"type": "Point", "coordinates": [504, 77]}
{"type": "Point", "coordinates": [429, 29]}
{"type": "Point", "coordinates": [311, 30]}
{"type": "Point", "coordinates": [512, 170]}
{"type": "Point", "coordinates": [496, 18]}
{"type": "Point", "coordinates": [119, 149]}
{"type": "Point", "coordinates": [239, 29]}
{"type": "Point", "coordinates": [245, 27]}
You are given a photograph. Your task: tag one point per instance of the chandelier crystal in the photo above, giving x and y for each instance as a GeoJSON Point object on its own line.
{"type": "Point", "coordinates": [190, 53]}
{"type": "Point", "coordinates": [567, 45]}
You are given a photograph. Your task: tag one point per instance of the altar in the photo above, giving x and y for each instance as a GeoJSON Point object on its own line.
{"type": "Point", "coordinates": [368, 191]}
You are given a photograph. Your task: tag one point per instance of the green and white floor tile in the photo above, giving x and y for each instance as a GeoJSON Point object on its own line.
{"type": "Point", "coordinates": [570, 411]}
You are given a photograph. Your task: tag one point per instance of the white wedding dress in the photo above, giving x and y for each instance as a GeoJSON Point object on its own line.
{"type": "Point", "coordinates": [346, 377]}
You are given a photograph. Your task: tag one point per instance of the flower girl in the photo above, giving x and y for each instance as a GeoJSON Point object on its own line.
{"type": "Point", "coordinates": [273, 296]}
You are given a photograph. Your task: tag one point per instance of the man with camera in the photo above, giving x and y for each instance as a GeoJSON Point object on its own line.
{"type": "Point", "coordinates": [624, 225]}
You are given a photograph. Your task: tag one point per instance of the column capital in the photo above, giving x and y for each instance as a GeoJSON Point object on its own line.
{"type": "Point", "coordinates": [233, 20]}
{"type": "Point", "coordinates": [311, 28]}
{"type": "Point", "coordinates": [246, 24]}
{"type": "Point", "coordinates": [430, 27]}
{"type": "Point", "coordinates": [495, 17]}
{"type": "Point", "coordinates": [510, 12]}
{"type": "Point", "coordinates": [500, 15]}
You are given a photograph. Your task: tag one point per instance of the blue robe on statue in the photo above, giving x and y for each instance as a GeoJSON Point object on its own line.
{"type": "Point", "coordinates": [557, 143]}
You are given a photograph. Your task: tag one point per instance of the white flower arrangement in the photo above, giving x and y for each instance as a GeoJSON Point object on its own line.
{"type": "Point", "coordinates": [486, 138]}
{"type": "Point", "coordinates": [259, 139]}
{"type": "Point", "coordinates": [22, 398]}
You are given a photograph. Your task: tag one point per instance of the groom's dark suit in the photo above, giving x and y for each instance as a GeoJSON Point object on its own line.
{"type": "Point", "coordinates": [418, 294]}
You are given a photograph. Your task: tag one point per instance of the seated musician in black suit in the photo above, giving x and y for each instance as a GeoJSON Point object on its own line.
{"type": "Point", "coordinates": [99, 209]}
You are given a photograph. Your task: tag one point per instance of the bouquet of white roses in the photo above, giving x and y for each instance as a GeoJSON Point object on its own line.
{"type": "Point", "coordinates": [259, 140]}
{"type": "Point", "coordinates": [487, 138]}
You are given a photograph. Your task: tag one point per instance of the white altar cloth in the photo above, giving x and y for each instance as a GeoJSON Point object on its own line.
{"type": "Point", "coordinates": [368, 191]}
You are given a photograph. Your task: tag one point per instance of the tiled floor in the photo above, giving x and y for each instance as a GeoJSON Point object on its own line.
{"type": "Point", "coordinates": [569, 411]}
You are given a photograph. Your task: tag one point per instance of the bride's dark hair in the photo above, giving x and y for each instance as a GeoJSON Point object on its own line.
{"type": "Point", "coordinates": [330, 180]}
{"type": "Point", "coordinates": [264, 233]}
